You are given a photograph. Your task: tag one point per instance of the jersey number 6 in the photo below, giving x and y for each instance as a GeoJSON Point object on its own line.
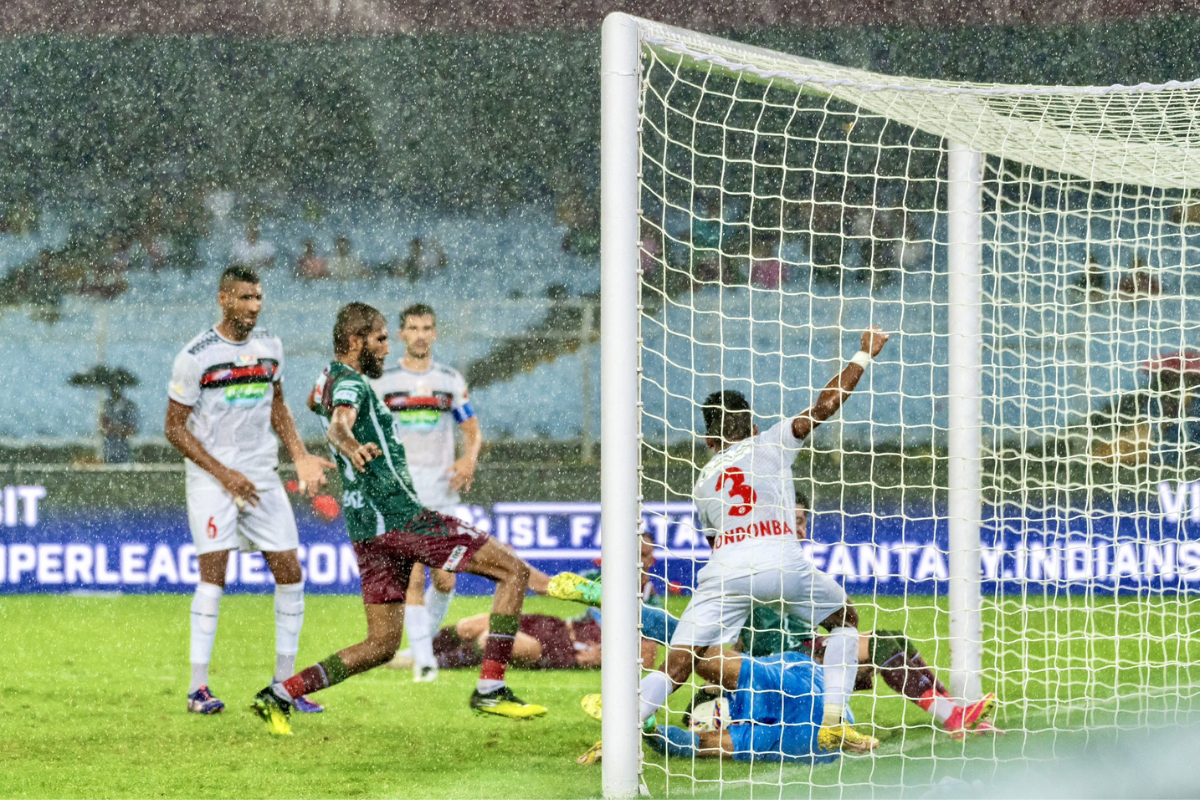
{"type": "Point", "coordinates": [738, 490]}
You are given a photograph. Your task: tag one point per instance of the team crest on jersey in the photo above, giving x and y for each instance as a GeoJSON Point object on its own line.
{"type": "Point", "coordinates": [246, 359]}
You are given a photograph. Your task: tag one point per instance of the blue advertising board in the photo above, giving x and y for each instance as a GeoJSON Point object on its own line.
{"type": "Point", "coordinates": [1154, 548]}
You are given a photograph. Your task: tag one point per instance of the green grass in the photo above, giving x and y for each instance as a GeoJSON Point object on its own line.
{"type": "Point", "coordinates": [92, 699]}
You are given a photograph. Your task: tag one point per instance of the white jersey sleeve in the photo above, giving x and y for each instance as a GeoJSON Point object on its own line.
{"type": "Point", "coordinates": [780, 439]}
{"type": "Point", "coordinates": [184, 387]}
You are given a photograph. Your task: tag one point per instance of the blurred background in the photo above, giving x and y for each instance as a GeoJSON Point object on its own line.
{"type": "Point", "coordinates": [391, 151]}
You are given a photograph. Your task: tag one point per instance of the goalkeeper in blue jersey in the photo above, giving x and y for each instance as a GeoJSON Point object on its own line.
{"type": "Point", "coordinates": [785, 654]}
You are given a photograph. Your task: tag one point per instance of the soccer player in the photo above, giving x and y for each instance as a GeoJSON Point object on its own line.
{"type": "Point", "coordinates": [391, 531]}
{"type": "Point", "coordinates": [226, 398]}
{"type": "Point", "coordinates": [746, 500]}
{"type": "Point", "coordinates": [426, 399]}
{"type": "Point", "coordinates": [545, 641]}
{"type": "Point", "coordinates": [775, 711]}
{"type": "Point", "coordinates": [889, 654]}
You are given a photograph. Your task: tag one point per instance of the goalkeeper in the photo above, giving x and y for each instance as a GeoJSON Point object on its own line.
{"type": "Point", "coordinates": [768, 634]}
{"type": "Point", "coordinates": [889, 654]}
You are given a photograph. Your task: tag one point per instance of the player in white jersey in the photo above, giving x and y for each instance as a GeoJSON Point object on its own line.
{"type": "Point", "coordinates": [226, 396]}
{"type": "Point", "coordinates": [428, 400]}
{"type": "Point", "coordinates": [746, 502]}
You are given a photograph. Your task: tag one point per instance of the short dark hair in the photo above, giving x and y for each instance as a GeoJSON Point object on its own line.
{"type": "Point", "coordinates": [418, 310]}
{"type": "Point", "coordinates": [802, 500]}
{"type": "Point", "coordinates": [237, 273]}
{"type": "Point", "coordinates": [727, 416]}
{"type": "Point", "coordinates": [353, 319]}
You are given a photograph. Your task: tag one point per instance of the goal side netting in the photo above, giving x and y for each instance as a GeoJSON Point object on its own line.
{"type": "Point", "coordinates": [1014, 486]}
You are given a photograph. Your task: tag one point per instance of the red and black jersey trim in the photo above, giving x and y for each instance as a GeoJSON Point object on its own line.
{"type": "Point", "coordinates": [219, 376]}
{"type": "Point", "coordinates": [403, 401]}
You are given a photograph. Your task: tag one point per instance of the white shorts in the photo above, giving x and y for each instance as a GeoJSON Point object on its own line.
{"type": "Point", "coordinates": [218, 524]}
{"type": "Point", "coordinates": [725, 597]}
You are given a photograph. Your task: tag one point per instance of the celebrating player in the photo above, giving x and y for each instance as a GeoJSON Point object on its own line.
{"type": "Point", "coordinates": [423, 396]}
{"type": "Point", "coordinates": [746, 503]}
{"type": "Point", "coordinates": [889, 654]}
{"type": "Point", "coordinates": [226, 397]}
{"type": "Point", "coordinates": [392, 531]}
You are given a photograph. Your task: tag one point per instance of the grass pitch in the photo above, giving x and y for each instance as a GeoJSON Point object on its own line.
{"type": "Point", "coordinates": [93, 694]}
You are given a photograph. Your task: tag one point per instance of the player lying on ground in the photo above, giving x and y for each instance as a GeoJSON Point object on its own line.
{"type": "Point", "coordinates": [544, 641]}
{"type": "Point", "coordinates": [391, 531]}
{"type": "Point", "coordinates": [429, 400]}
{"type": "Point", "coordinates": [776, 709]}
{"type": "Point", "coordinates": [888, 653]}
{"type": "Point", "coordinates": [745, 499]}
{"type": "Point", "coordinates": [226, 398]}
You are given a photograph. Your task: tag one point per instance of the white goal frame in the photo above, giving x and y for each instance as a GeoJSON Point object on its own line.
{"type": "Point", "coordinates": [620, 430]}
{"type": "Point", "coordinates": [979, 120]}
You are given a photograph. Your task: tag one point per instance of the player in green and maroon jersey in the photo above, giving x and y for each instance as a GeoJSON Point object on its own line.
{"type": "Point", "coordinates": [392, 531]}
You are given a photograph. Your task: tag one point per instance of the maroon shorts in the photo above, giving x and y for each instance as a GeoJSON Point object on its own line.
{"type": "Point", "coordinates": [435, 540]}
{"type": "Point", "coordinates": [552, 633]}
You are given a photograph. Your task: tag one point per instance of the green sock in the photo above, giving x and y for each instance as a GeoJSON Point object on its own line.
{"type": "Point", "coordinates": [504, 624]}
{"type": "Point", "coordinates": [336, 670]}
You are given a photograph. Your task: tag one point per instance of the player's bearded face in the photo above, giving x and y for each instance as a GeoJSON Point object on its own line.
{"type": "Point", "coordinates": [375, 351]}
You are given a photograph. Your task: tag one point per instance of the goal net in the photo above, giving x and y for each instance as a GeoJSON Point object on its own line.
{"type": "Point", "coordinates": [1015, 484]}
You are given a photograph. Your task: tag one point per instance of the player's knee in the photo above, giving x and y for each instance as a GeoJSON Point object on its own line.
{"type": "Point", "coordinates": [679, 665]}
{"type": "Point", "coordinates": [516, 572]}
{"type": "Point", "coordinates": [443, 581]}
{"type": "Point", "coordinates": [384, 647]}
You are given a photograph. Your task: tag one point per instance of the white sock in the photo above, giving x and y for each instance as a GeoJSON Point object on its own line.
{"type": "Point", "coordinates": [656, 688]}
{"type": "Point", "coordinates": [437, 603]}
{"type": "Point", "coordinates": [942, 708]}
{"type": "Point", "coordinates": [487, 687]}
{"type": "Point", "coordinates": [841, 665]}
{"type": "Point", "coordinates": [206, 604]}
{"type": "Point", "coordinates": [289, 619]}
{"type": "Point", "coordinates": [416, 620]}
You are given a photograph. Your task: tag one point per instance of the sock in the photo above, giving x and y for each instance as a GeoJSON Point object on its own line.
{"type": "Point", "coordinates": [321, 675]}
{"type": "Point", "coordinates": [502, 632]}
{"type": "Point", "coordinates": [673, 741]}
{"type": "Point", "coordinates": [289, 618]}
{"type": "Point", "coordinates": [416, 622]}
{"type": "Point", "coordinates": [206, 604]}
{"type": "Point", "coordinates": [908, 674]}
{"type": "Point", "coordinates": [656, 688]}
{"type": "Point", "coordinates": [438, 604]}
{"type": "Point", "coordinates": [841, 665]}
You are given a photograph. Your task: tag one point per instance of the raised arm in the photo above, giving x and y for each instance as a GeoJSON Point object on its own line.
{"type": "Point", "coordinates": [837, 390]}
{"type": "Point", "coordinates": [340, 434]}
{"type": "Point", "coordinates": [310, 469]}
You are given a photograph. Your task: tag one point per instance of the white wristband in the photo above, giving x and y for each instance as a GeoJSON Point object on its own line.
{"type": "Point", "coordinates": [862, 358]}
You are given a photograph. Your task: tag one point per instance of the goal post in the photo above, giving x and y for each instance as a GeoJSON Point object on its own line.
{"type": "Point", "coordinates": [965, 436]}
{"type": "Point", "coordinates": [1015, 483]}
{"type": "Point", "coordinates": [619, 425]}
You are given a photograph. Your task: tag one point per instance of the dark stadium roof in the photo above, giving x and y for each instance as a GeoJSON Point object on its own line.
{"type": "Point", "coordinates": [383, 17]}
